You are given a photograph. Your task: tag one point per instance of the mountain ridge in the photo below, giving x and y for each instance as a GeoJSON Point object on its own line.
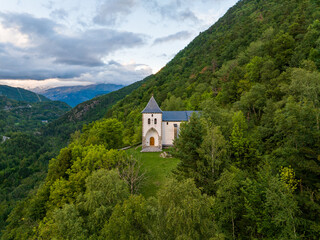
{"type": "Point", "coordinates": [74, 95]}
{"type": "Point", "coordinates": [20, 94]}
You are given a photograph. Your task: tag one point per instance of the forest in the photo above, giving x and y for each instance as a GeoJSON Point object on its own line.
{"type": "Point", "coordinates": [249, 164]}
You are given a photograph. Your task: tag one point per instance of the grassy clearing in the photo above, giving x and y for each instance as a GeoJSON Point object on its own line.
{"type": "Point", "coordinates": [157, 170]}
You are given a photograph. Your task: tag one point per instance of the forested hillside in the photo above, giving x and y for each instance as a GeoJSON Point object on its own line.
{"type": "Point", "coordinates": [24, 153]}
{"type": "Point", "coordinates": [37, 141]}
{"type": "Point", "coordinates": [19, 116]}
{"type": "Point", "coordinates": [20, 94]}
{"type": "Point", "coordinates": [249, 165]}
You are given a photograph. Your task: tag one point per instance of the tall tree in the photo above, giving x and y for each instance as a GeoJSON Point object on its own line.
{"type": "Point", "coordinates": [187, 144]}
{"type": "Point", "coordinates": [183, 212]}
{"type": "Point", "coordinates": [214, 158]}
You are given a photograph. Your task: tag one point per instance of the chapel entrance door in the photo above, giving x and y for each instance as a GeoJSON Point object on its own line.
{"type": "Point", "coordinates": [152, 141]}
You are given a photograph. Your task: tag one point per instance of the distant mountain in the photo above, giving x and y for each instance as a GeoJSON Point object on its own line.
{"type": "Point", "coordinates": [73, 95]}
{"type": "Point", "coordinates": [20, 94]}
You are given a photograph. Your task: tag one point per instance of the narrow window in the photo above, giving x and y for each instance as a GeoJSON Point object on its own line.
{"type": "Point", "coordinates": [167, 123]}
{"type": "Point", "coordinates": [155, 121]}
{"type": "Point", "coordinates": [151, 115]}
{"type": "Point", "coordinates": [175, 130]}
{"type": "Point", "coordinates": [148, 120]}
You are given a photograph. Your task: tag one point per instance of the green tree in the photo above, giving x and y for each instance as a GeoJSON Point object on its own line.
{"type": "Point", "coordinates": [104, 189]}
{"type": "Point", "coordinates": [283, 49]}
{"type": "Point", "coordinates": [253, 102]}
{"type": "Point", "coordinates": [229, 202]}
{"type": "Point", "coordinates": [107, 132]}
{"type": "Point", "coordinates": [242, 153]}
{"type": "Point", "coordinates": [183, 212]}
{"type": "Point", "coordinates": [271, 210]}
{"type": "Point", "coordinates": [187, 145]}
{"type": "Point", "coordinates": [305, 86]}
{"type": "Point", "coordinates": [253, 69]}
{"type": "Point", "coordinates": [130, 220]}
{"type": "Point", "coordinates": [66, 223]}
{"type": "Point", "coordinates": [173, 104]}
{"type": "Point", "coordinates": [214, 158]}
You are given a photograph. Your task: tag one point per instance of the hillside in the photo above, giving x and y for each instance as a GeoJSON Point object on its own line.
{"type": "Point", "coordinates": [25, 111]}
{"type": "Point", "coordinates": [88, 111]}
{"type": "Point", "coordinates": [20, 94]}
{"type": "Point", "coordinates": [214, 63]}
{"type": "Point", "coordinates": [25, 154]}
{"type": "Point", "coordinates": [248, 167]}
{"type": "Point", "coordinates": [19, 116]}
{"type": "Point", "coordinates": [75, 95]}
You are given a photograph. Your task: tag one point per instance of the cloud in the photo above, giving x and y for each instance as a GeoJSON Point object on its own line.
{"type": "Point", "coordinates": [111, 12]}
{"type": "Point", "coordinates": [13, 36]}
{"type": "Point", "coordinates": [112, 72]}
{"type": "Point", "coordinates": [115, 72]}
{"type": "Point", "coordinates": [59, 14]}
{"type": "Point", "coordinates": [173, 37]}
{"type": "Point", "coordinates": [176, 10]}
{"type": "Point", "coordinates": [52, 54]}
{"type": "Point", "coordinates": [27, 24]}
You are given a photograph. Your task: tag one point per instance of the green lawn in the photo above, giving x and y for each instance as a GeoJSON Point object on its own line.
{"type": "Point", "coordinates": [157, 169]}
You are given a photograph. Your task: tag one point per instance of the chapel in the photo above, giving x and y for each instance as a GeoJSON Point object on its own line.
{"type": "Point", "coordinates": [160, 128]}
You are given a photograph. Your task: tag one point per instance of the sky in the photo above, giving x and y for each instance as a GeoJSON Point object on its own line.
{"type": "Point", "coordinates": [50, 43]}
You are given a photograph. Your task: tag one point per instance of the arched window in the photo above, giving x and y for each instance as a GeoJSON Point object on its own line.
{"type": "Point", "coordinates": [155, 121]}
{"type": "Point", "coordinates": [148, 120]}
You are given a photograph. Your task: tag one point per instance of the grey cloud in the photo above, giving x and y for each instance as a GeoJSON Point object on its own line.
{"type": "Point", "coordinates": [59, 14]}
{"type": "Point", "coordinates": [55, 55]}
{"type": "Point", "coordinates": [23, 64]}
{"type": "Point", "coordinates": [175, 10]}
{"type": "Point", "coordinates": [115, 72]}
{"type": "Point", "coordinates": [112, 11]}
{"type": "Point", "coordinates": [187, 14]}
{"type": "Point", "coordinates": [26, 23]}
{"type": "Point", "coordinates": [173, 37]}
{"type": "Point", "coordinates": [48, 5]}
{"type": "Point", "coordinates": [88, 48]}
{"type": "Point", "coordinates": [30, 67]}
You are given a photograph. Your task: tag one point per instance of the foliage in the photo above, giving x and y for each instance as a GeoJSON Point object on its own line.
{"type": "Point", "coordinates": [129, 220]}
{"type": "Point", "coordinates": [173, 104]}
{"type": "Point", "coordinates": [19, 116]}
{"type": "Point", "coordinates": [183, 213]}
{"type": "Point", "coordinates": [107, 132]}
{"type": "Point", "coordinates": [187, 145]}
{"type": "Point", "coordinates": [288, 177]}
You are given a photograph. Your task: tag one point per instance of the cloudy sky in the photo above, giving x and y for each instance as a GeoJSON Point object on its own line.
{"type": "Point", "coordinates": [48, 43]}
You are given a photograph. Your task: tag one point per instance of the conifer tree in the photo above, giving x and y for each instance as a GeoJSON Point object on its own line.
{"type": "Point", "coordinates": [187, 145]}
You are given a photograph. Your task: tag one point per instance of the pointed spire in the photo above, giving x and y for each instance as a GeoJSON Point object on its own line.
{"type": "Point", "coordinates": [152, 106]}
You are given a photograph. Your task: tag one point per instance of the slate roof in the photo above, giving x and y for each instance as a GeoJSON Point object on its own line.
{"type": "Point", "coordinates": [176, 116]}
{"type": "Point", "coordinates": [152, 107]}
